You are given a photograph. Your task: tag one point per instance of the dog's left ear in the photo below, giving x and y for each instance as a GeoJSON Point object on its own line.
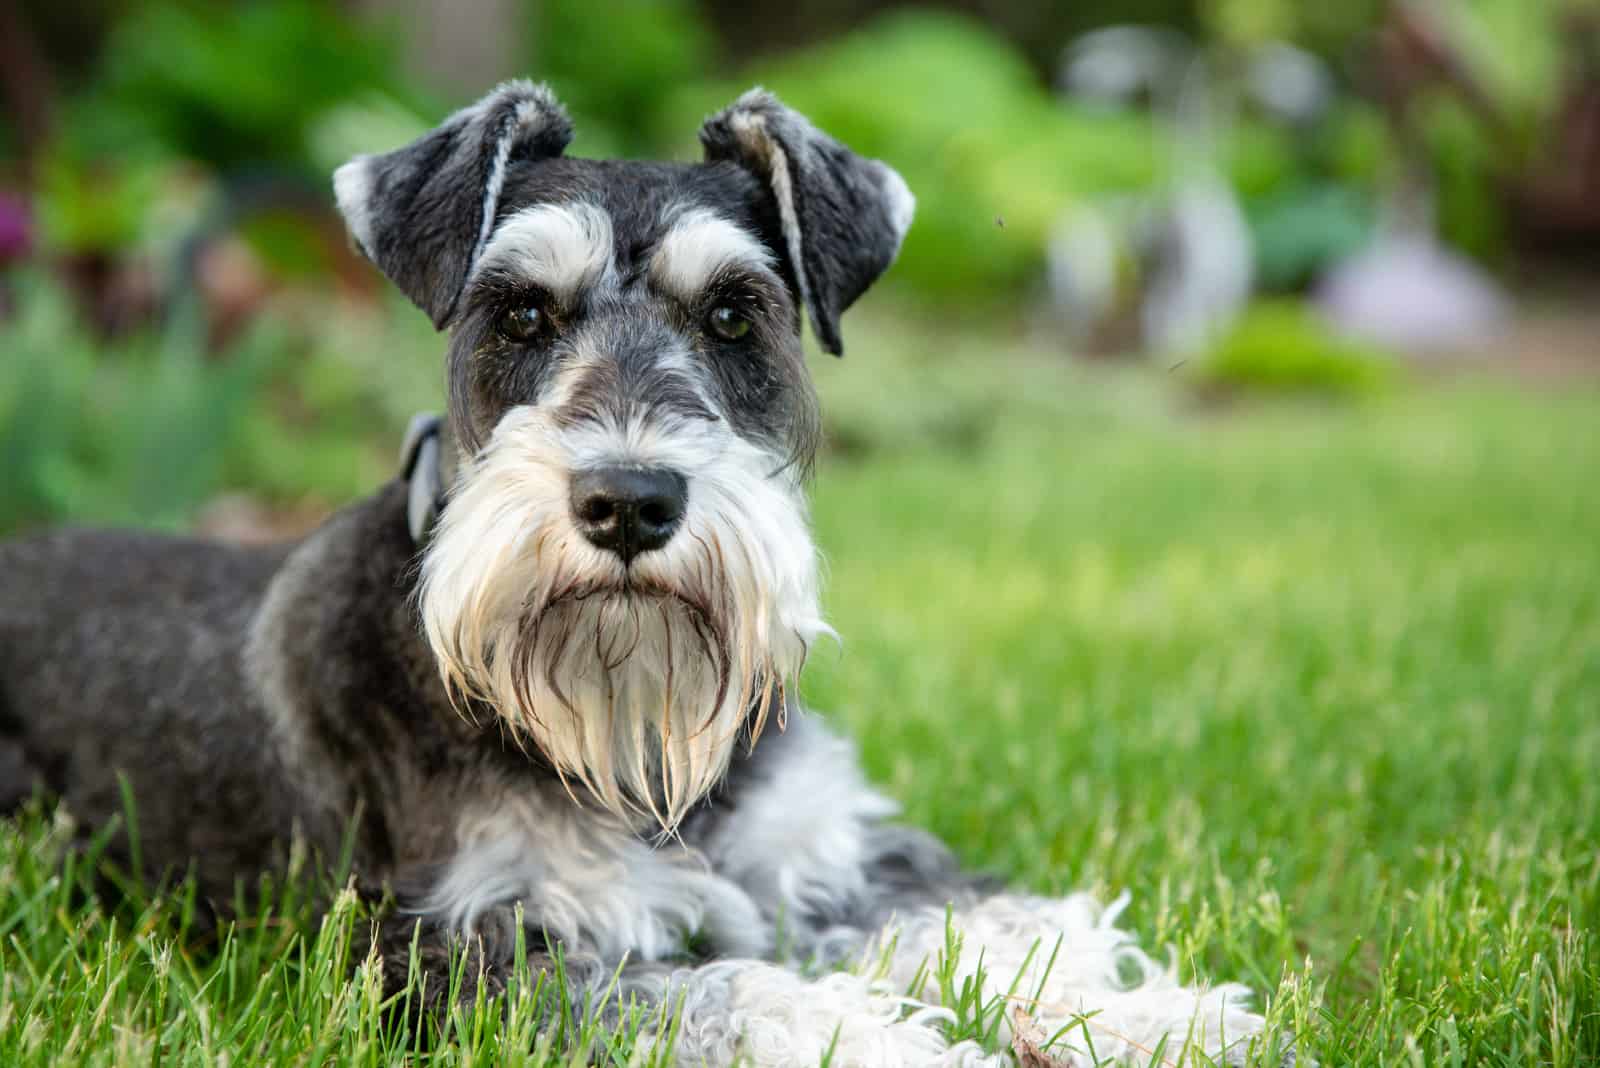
{"type": "Point", "coordinates": [843, 215]}
{"type": "Point", "coordinates": [424, 213]}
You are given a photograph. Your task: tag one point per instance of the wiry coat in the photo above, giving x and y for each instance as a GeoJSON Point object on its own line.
{"type": "Point", "coordinates": [513, 710]}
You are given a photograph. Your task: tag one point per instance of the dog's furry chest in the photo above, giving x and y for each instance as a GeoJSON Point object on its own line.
{"type": "Point", "coordinates": [591, 883]}
{"type": "Point", "coordinates": [784, 848]}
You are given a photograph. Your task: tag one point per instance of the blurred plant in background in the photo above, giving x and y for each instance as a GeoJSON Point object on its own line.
{"type": "Point", "coordinates": [166, 227]}
{"type": "Point", "coordinates": [617, 64]}
{"type": "Point", "coordinates": [238, 87]}
{"type": "Point", "coordinates": [137, 430]}
{"type": "Point", "coordinates": [1284, 346]}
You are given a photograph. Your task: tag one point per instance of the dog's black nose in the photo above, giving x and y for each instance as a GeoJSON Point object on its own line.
{"type": "Point", "coordinates": [629, 510]}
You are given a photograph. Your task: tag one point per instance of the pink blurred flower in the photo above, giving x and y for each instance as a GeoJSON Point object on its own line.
{"type": "Point", "coordinates": [16, 229]}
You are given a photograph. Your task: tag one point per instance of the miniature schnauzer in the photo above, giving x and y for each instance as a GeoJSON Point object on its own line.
{"type": "Point", "coordinates": [525, 683]}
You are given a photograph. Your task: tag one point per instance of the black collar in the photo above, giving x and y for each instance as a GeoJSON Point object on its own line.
{"type": "Point", "coordinates": [419, 466]}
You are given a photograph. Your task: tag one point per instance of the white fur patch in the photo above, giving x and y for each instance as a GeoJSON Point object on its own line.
{"type": "Point", "coordinates": [797, 840]}
{"type": "Point", "coordinates": [794, 846]}
{"type": "Point", "coordinates": [528, 112]}
{"type": "Point", "coordinates": [563, 247]}
{"type": "Point", "coordinates": [352, 191]}
{"type": "Point", "coordinates": [764, 1016]}
{"type": "Point", "coordinates": [752, 130]}
{"type": "Point", "coordinates": [1098, 984]}
{"type": "Point", "coordinates": [636, 683]}
{"type": "Point", "coordinates": [700, 244]}
{"type": "Point", "coordinates": [902, 205]}
{"type": "Point", "coordinates": [1084, 978]}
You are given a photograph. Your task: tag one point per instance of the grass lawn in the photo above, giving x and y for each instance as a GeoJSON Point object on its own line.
{"type": "Point", "coordinates": [1319, 686]}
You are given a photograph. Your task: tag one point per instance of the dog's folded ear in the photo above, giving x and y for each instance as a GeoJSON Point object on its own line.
{"type": "Point", "coordinates": [423, 213]}
{"type": "Point", "coordinates": [843, 215]}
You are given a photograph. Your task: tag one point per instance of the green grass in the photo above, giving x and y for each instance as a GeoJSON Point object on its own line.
{"type": "Point", "coordinates": [1320, 686]}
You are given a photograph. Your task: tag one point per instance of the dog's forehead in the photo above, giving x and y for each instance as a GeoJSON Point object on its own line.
{"type": "Point", "coordinates": [641, 197]}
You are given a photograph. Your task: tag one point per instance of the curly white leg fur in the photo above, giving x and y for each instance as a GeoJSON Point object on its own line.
{"type": "Point", "coordinates": [767, 1016]}
{"type": "Point", "coordinates": [1081, 979]}
{"type": "Point", "coordinates": [1108, 1000]}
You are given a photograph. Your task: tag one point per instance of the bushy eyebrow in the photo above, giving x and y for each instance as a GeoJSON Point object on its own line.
{"type": "Point", "coordinates": [701, 246]}
{"type": "Point", "coordinates": [562, 248]}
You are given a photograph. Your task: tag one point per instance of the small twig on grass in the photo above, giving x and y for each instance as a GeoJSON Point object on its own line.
{"type": "Point", "coordinates": [1026, 1034]}
{"type": "Point", "coordinates": [1078, 1018]}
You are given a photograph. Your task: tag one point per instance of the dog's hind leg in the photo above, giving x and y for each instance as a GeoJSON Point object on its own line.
{"type": "Point", "coordinates": [20, 776]}
{"type": "Point", "coordinates": [17, 776]}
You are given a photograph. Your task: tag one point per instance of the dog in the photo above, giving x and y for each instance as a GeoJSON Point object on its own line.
{"type": "Point", "coordinates": [542, 685]}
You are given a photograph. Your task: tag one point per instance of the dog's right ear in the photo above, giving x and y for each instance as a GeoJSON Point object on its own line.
{"type": "Point", "coordinates": [424, 213]}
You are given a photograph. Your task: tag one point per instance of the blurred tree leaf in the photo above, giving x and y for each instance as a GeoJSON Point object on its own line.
{"type": "Point", "coordinates": [1305, 228]}
{"type": "Point", "coordinates": [613, 63]}
{"type": "Point", "coordinates": [86, 207]}
{"type": "Point", "coordinates": [232, 84]}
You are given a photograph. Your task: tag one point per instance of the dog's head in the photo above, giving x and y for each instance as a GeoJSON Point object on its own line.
{"type": "Point", "coordinates": [622, 568]}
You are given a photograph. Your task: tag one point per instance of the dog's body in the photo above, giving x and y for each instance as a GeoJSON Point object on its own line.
{"type": "Point", "coordinates": [550, 696]}
{"type": "Point", "coordinates": [288, 693]}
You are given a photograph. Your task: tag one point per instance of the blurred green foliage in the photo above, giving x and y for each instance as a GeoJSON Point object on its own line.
{"type": "Point", "coordinates": [1516, 48]}
{"type": "Point", "coordinates": [88, 205]}
{"type": "Point", "coordinates": [131, 431]}
{"type": "Point", "coordinates": [616, 64]}
{"type": "Point", "coordinates": [148, 427]}
{"type": "Point", "coordinates": [993, 153]}
{"type": "Point", "coordinates": [1327, 28]}
{"type": "Point", "coordinates": [1467, 159]}
{"type": "Point", "coordinates": [1282, 346]}
{"type": "Point", "coordinates": [184, 103]}
{"type": "Point", "coordinates": [329, 414]}
{"type": "Point", "coordinates": [233, 85]}
{"type": "Point", "coordinates": [1304, 227]}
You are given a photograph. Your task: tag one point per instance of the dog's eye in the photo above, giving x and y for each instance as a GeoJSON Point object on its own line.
{"type": "Point", "coordinates": [728, 322]}
{"type": "Point", "coordinates": [521, 322]}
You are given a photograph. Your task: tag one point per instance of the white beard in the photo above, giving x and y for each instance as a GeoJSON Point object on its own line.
{"type": "Point", "coordinates": [636, 684]}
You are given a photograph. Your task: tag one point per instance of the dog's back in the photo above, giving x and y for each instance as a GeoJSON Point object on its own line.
{"type": "Point", "coordinates": [120, 654]}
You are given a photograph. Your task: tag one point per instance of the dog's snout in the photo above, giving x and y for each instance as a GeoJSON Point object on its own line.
{"type": "Point", "coordinates": [629, 510]}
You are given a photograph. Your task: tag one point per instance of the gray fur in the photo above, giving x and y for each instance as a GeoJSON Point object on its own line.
{"type": "Point", "coordinates": [423, 213]}
{"type": "Point", "coordinates": [253, 698]}
{"type": "Point", "coordinates": [253, 695]}
{"type": "Point", "coordinates": [245, 693]}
